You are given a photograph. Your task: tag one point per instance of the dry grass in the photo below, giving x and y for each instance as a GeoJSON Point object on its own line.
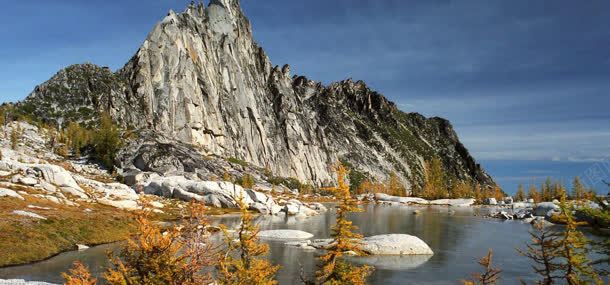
{"type": "Point", "coordinates": [321, 199]}
{"type": "Point", "coordinates": [24, 239]}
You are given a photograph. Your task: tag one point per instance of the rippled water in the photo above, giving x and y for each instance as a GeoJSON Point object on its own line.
{"type": "Point", "coordinates": [457, 237]}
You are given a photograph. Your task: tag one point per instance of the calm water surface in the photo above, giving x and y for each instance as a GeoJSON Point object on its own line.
{"type": "Point", "coordinates": [457, 237]}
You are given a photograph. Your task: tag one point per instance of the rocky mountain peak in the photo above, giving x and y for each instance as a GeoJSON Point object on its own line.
{"type": "Point", "coordinates": [200, 78]}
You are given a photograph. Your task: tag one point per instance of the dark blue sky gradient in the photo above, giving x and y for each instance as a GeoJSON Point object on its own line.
{"type": "Point", "coordinates": [522, 81]}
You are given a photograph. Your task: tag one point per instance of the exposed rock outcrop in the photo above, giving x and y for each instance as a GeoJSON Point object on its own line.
{"type": "Point", "coordinates": [200, 79]}
{"type": "Point", "coordinates": [381, 197]}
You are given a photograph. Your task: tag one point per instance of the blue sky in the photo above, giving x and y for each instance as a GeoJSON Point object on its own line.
{"type": "Point", "coordinates": [525, 83]}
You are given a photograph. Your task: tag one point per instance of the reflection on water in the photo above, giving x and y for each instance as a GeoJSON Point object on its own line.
{"type": "Point", "coordinates": [457, 238]}
{"type": "Point", "coordinates": [393, 262]}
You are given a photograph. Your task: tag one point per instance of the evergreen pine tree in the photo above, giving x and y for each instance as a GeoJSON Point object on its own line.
{"type": "Point", "coordinates": [520, 195]}
{"type": "Point", "coordinates": [16, 134]}
{"type": "Point", "coordinates": [578, 190]}
{"type": "Point", "coordinates": [546, 190]}
{"type": "Point", "coordinates": [107, 141]}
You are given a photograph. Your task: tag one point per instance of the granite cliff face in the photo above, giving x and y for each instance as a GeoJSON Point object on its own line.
{"type": "Point", "coordinates": [200, 78]}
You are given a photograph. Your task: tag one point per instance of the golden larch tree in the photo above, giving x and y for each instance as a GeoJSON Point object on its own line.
{"type": "Point", "coordinates": [462, 189]}
{"type": "Point", "coordinates": [534, 194]}
{"type": "Point", "coordinates": [243, 261]}
{"type": "Point", "coordinates": [434, 186]}
{"type": "Point", "coordinates": [490, 276]}
{"type": "Point", "coordinates": [175, 256]}
{"type": "Point", "coordinates": [544, 252]}
{"type": "Point", "coordinates": [520, 195]}
{"type": "Point", "coordinates": [577, 267]}
{"type": "Point", "coordinates": [79, 275]}
{"type": "Point", "coordinates": [334, 269]}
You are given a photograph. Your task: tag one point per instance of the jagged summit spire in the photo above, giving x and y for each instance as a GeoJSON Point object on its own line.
{"type": "Point", "coordinates": [226, 3]}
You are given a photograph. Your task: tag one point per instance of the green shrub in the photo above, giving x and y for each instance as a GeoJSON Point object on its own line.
{"type": "Point", "coordinates": [16, 134]}
{"type": "Point", "coordinates": [238, 161]}
{"type": "Point", "coordinates": [106, 141]}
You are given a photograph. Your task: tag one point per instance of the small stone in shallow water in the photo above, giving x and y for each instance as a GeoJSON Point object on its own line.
{"type": "Point", "coordinates": [81, 247]}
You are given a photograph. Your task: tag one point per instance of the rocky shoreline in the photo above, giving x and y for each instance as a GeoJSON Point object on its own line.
{"type": "Point", "coordinates": [39, 187]}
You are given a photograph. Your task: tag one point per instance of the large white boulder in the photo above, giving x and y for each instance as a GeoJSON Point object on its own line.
{"type": "Point", "coordinates": [490, 201]}
{"type": "Point", "coordinates": [318, 207]}
{"type": "Point", "coordinates": [296, 208]}
{"type": "Point", "coordinates": [519, 205]}
{"type": "Point", "coordinates": [284, 235]}
{"type": "Point", "coordinates": [215, 193]}
{"type": "Point", "coordinates": [291, 209]}
{"type": "Point", "coordinates": [28, 181]}
{"type": "Point", "coordinates": [129, 205]}
{"type": "Point", "coordinates": [61, 178]}
{"type": "Point", "coordinates": [395, 244]}
{"type": "Point", "coordinates": [111, 191]}
{"type": "Point", "coordinates": [543, 208]}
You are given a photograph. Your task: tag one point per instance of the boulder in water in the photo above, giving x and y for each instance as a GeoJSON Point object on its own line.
{"type": "Point", "coordinates": [395, 244]}
{"type": "Point", "coordinates": [490, 201]}
{"type": "Point", "coordinates": [543, 209]}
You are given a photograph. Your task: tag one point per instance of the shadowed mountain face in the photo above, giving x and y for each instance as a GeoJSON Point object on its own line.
{"type": "Point", "coordinates": [200, 78]}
